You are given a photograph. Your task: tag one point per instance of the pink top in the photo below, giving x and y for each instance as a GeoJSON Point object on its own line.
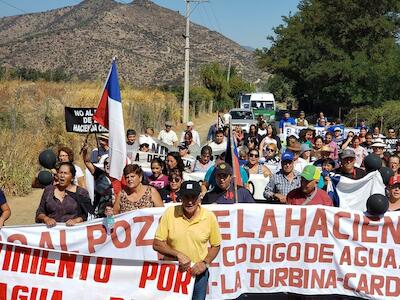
{"type": "Point", "coordinates": [160, 182]}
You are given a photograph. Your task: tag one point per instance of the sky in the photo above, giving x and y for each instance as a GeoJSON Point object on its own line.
{"type": "Point", "coordinates": [247, 22]}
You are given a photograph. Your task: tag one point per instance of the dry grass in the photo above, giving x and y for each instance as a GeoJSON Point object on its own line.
{"type": "Point", "coordinates": [32, 119]}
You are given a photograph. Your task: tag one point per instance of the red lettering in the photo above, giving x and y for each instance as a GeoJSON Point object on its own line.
{"type": "Point", "coordinates": [268, 224]}
{"type": "Point", "coordinates": [168, 269]}
{"type": "Point", "coordinates": [127, 229]}
{"type": "Point", "coordinates": [289, 222]}
{"type": "Point", "coordinates": [225, 251]}
{"type": "Point", "coordinates": [240, 224]}
{"type": "Point", "coordinates": [223, 213]}
{"type": "Point", "coordinates": [325, 255]}
{"type": "Point", "coordinates": [148, 220]}
{"type": "Point", "coordinates": [319, 223]}
{"type": "Point", "coordinates": [181, 283]}
{"type": "Point", "coordinates": [15, 294]}
{"type": "Point", "coordinates": [67, 265]}
{"type": "Point", "coordinates": [45, 240]}
{"type": "Point", "coordinates": [17, 238]}
{"type": "Point", "coordinates": [92, 241]}
{"type": "Point", "coordinates": [98, 276]}
{"type": "Point", "coordinates": [148, 266]}
{"type": "Point", "coordinates": [43, 264]}
{"type": "Point", "coordinates": [336, 225]}
{"type": "Point", "coordinates": [365, 228]}
{"type": "Point", "coordinates": [84, 269]}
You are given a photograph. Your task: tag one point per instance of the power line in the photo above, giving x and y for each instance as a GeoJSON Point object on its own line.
{"type": "Point", "coordinates": [10, 5]}
{"type": "Point", "coordinates": [215, 17]}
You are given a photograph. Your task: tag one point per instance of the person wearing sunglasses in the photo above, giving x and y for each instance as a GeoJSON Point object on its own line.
{"type": "Point", "coordinates": [391, 133]}
{"type": "Point", "coordinates": [254, 165]}
{"type": "Point", "coordinates": [171, 193]}
{"type": "Point", "coordinates": [394, 193]}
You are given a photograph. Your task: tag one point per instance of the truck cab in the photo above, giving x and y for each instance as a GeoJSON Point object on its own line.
{"type": "Point", "coordinates": [262, 104]}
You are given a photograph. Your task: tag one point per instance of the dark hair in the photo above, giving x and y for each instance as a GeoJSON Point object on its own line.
{"type": "Point", "coordinates": [368, 133]}
{"type": "Point", "coordinates": [70, 165]}
{"type": "Point", "coordinates": [290, 137]}
{"type": "Point", "coordinates": [68, 151]}
{"type": "Point", "coordinates": [355, 137]}
{"type": "Point", "coordinates": [159, 161]}
{"type": "Point", "coordinates": [274, 132]}
{"type": "Point", "coordinates": [130, 132]}
{"type": "Point", "coordinates": [328, 133]}
{"type": "Point", "coordinates": [218, 131]}
{"type": "Point", "coordinates": [318, 137]}
{"type": "Point", "coordinates": [190, 135]}
{"type": "Point", "coordinates": [133, 168]}
{"type": "Point", "coordinates": [175, 172]}
{"type": "Point", "coordinates": [206, 149]}
{"type": "Point", "coordinates": [328, 161]}
{"type": "Point", "coordinates": [180, 165]}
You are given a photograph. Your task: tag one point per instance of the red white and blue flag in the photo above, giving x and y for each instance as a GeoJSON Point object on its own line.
{"type": "Point", "coordinates": [232, 158]}
{"type": "Point", "coordinates": [109, 114]}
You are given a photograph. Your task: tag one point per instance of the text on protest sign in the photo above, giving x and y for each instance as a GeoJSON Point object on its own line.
{"type": "Point", "coordinates": [27, 272]}
{"type": "Point", "coordinates": [79, 120]}
{"type": "Point", "coordinates": [265, 248]}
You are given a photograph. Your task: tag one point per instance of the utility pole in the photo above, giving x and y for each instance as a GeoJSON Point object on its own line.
{"type": "Point", "coordinates": [228, 75]}
{"type": "Point", "coordinates": [187, 48]}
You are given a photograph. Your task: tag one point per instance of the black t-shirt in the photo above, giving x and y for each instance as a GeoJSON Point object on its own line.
{"type": "Point", "coordinates": [168, 196]}
{"type": "Point", "coordinates": [103, 192]}
{"type": "Point", "coordinates": [356, 174]}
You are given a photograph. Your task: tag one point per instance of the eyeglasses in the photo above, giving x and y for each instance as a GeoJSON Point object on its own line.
{"type": "Point", "coordinates": [270, 150]}
{"type": "Point", "coordinates": [174, 179]}
{"type": "Point", "coordinates": [395, 186]}
{"type": "Point", "coordinates": [253, 155]}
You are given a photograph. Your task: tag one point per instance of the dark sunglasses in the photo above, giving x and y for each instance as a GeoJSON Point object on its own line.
{"type": "Point", "coordinates": [174, 179]}
{"type": "Point", "coordinates": [254, 155]}
{"type": "Point", "coordinates": [270, 150]}
{"type": "Point", "coordinates": [395, 186]}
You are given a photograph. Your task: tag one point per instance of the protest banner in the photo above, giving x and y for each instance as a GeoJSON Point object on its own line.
{"type": "Point", "coordinates": [265, 249]}
{"type": "Point", "coordinates": [289, 130]}
{"type": "Point", "coordinates": [390, 144]}
{"type": "Point", "coordinates": [79, 120]}
{"type": "Point", "coordinates": [32, 273]}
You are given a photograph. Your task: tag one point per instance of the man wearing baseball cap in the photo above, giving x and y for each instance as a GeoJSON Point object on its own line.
{"type": "Point", "coordinates": [185, 233]}
{"type": "Point", "coordinates": [394, 193]}
{"type": "Point", "coordinates": [167, 135]}
{"type": "Point", "coordinates": [224, 191]}
{"type": "Point", "coordinates": [347, 168]}
{"type": "Point", "coordinates": [308, 193]}
{"type": "Point", "coordinates": [282, 182]}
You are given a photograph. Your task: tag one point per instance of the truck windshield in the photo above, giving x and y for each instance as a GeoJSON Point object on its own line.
{"type": "Point", "coordinates": [262, 105]}
{"type": "Point", "coordinates": [241, 115]}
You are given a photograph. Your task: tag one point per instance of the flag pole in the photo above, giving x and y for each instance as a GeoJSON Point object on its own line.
{"type": "Point", "coordinates": [233, 164]}
{"type": "Point", "coordinates": [86, 137]}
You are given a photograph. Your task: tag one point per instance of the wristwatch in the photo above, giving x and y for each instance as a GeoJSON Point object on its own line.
{"type": "Point", "coordinates": [206, 264]}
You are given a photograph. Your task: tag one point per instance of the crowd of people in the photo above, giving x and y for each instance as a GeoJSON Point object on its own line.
{"type": "Point", "coordinates": [298, 170]}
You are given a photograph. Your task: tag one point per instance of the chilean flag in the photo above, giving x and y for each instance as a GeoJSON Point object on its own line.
{"type": "Point", "coordinates": [109, 114]}
{"type": "Point", "coordinates": [233, 160]}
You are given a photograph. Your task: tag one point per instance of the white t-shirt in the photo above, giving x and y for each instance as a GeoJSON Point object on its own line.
{"type": "Point", "coordinates": [168, 137]}
{"type": "Point", "coordinates": [218, 147]}
{"type": "Point", "coordinates": [79, 173]}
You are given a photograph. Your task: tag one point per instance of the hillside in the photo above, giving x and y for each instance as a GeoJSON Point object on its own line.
{"type": "Point", "coordinates": [146, 38]}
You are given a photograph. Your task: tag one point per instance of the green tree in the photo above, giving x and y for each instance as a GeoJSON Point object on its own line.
{"type": "Point", "coordinates": [226, 93]}
{"type": "Point", "coordinates": [338, 52]}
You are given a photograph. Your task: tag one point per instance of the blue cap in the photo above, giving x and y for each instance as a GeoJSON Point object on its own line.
{"type": "Point", "coordinates": [287, 155]}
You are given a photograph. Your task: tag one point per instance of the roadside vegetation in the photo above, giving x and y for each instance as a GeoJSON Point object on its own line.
{"type": "Point", "coordinates": [32, 119]}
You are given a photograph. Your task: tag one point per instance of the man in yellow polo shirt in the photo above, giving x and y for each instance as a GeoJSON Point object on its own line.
{"type": "Point", "coordinates": [185, 233]}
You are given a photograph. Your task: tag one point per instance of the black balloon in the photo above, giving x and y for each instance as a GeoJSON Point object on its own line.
{"type": "Point", "coordinates": [372, 162]}
{"type": "Point", "coordinates": [47, 159]}
{"type": "Point", "coordinates": [386, 173]}
{"type": "Point", "coordinates": [45, 178]}
{"type": "Point", "coordinates": [377, 205]}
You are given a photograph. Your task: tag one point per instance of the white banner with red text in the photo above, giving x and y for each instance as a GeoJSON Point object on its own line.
{"type": "Point", "coordinates": [265, 248]}
{"type": "Point", "coordinates": [32, 273]}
